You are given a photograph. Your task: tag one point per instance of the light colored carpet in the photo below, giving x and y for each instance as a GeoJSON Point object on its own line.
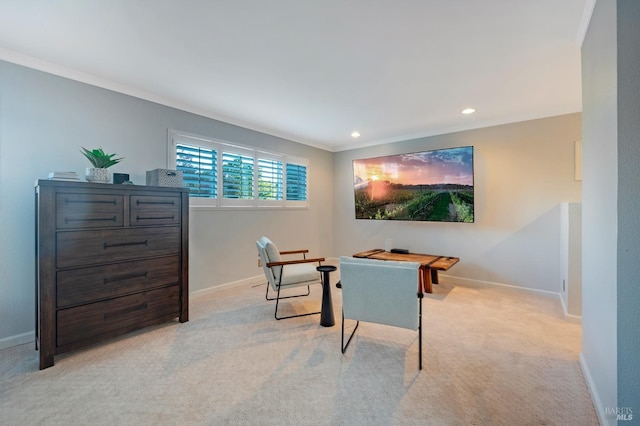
{"type": "Point", "coordinates": [492, 356]}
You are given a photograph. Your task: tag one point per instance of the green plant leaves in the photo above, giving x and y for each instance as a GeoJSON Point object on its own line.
{"type": "Point", "coordinates": [100, 159]}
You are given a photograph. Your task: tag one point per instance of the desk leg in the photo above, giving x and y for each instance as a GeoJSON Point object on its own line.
{"type": "Point", "coordinates": [426, 279]}
{"type": "Point", "coordinates": [434, 276]}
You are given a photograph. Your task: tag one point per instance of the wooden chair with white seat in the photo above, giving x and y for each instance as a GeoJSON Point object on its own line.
{"type": "Point", "coordinates": [284, 274]}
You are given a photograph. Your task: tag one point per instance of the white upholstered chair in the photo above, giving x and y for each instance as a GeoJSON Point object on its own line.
{"type": "Point", "coordinates": [283, 274]}
{"type": "Point", "coordinates": [382, 292]}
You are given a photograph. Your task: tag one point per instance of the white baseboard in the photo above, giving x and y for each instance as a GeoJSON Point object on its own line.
{"type": "Point", "coordinates": [258, 279]}
{"type": "Point", "coordinates": [18, 339]}
{"type": "Point", "coordinates": [479, 283]}
{"type": "Point", "coordinates": [567, 316]}
{"type": "Point", "coordinates": [595, 397]}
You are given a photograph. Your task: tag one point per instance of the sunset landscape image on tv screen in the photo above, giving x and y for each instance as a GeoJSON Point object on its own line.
{"type": "Point", "coordinates": [424, 186]}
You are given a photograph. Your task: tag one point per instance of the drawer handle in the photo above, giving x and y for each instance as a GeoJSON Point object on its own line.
{"type": "Point", "coordinates": [68, 201]}
{"type": "Point", "coordinates": [172, 202]}
{"type": "Point", "coordinates": [141, 218]}
{"type": "Point", "coordinates": [98, 219]}
{"type": "Point", "coordinates": [125, 311]}
{"type": "Point", "coordinates": [125, 277]}
{"type": "Point", "coordinates": [136, 243]}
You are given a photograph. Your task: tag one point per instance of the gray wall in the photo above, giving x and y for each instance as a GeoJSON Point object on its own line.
{"type": "Point", "coordinates": [628, 331]}
{"type": "Point", "coordinates": [44, 120]}
{"type": "Point", "coordinates": [599, 206]}
{"type": "Point", "coordinates": [523, 171]}
{"type": "Point", "coordinates": [611, 228]}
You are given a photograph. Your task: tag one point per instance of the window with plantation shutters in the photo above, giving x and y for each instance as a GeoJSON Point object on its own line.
{"type": "Point", "coordinates": [270, 179]}
{"type": "Point", "coordinates": [224, 175]}
{"type": "Point", "coordinates": [296, 182]}
{"type": "Point", "coordinates": [237, 176]}
{"type": "Point", "coordinates": [199, 170]}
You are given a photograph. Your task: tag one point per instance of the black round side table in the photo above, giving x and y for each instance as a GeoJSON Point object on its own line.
{"type": "Point", "coordinates": [326, 315]}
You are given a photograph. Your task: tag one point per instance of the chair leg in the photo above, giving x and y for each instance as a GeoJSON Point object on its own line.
{"type": "Point", "coordinates": [342, 345]}
{"type": "Point", "coordinates": [286, 297]}
{"type": "Point", "coordinates": [277, 299]}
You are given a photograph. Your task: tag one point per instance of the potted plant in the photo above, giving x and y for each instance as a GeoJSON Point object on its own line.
{"type": "Point", "coordinates": [100, 161]}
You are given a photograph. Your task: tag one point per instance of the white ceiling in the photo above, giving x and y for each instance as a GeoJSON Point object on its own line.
{"type": "Point", "coordinates": [314, 71]}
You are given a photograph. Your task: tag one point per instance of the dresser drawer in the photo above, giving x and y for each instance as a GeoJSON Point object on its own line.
{"type": "Point", "coordinates": [154, 210]}
{"type": "Point", "coordinates": [84, 285]}
{"type": "Point", "coordinates": [90, 247]}
{"type": "Point", "coordinates": [117, 315]}
{"type": "Point", "coordinates": [80, 210]}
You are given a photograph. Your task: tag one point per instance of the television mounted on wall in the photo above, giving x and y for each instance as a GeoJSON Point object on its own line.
{"type": "Point", "coordinates": [435, 185]}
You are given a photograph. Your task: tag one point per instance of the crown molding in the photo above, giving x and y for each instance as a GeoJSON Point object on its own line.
{"type": "Point", "coordinates": [82, 77]}
{"type": "Point", "coordinates": [584, 21]}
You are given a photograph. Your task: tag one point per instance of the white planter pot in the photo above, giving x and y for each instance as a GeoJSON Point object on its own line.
{"type": "Point", "coordinates": [97, 175]}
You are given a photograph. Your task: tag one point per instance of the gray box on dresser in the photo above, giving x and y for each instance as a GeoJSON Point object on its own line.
{"type": "Point", "coordinates": [110, 259]}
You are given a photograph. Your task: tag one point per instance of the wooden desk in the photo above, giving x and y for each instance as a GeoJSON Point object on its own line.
{"type": "Point", "coordinates": [429, 264]}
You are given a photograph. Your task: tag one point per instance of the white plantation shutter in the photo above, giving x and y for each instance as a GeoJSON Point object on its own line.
{"type": "Point", "coordinates": [223, 175]}
{"type": "Point", "coordinates": [270, 179]}
{"type": "Point", "coordinates": [199, 170]}
{"type": "Point", "coordinates": [237, 176]}
{"type": "Point", "coordinates": [296, 184]}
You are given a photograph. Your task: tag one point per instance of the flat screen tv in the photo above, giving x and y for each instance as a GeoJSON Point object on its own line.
{"type": "Point", "coordinates": [432, 185]}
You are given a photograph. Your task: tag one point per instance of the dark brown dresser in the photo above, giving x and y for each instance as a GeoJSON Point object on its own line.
{"type": "Point", "coordinates": [110, 259]}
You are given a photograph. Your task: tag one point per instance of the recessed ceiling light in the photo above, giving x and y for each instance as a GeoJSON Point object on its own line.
{"type": "Point", "coordinates": [468, 110]}
{"type": "Point", "coordinates": [355, 134]}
